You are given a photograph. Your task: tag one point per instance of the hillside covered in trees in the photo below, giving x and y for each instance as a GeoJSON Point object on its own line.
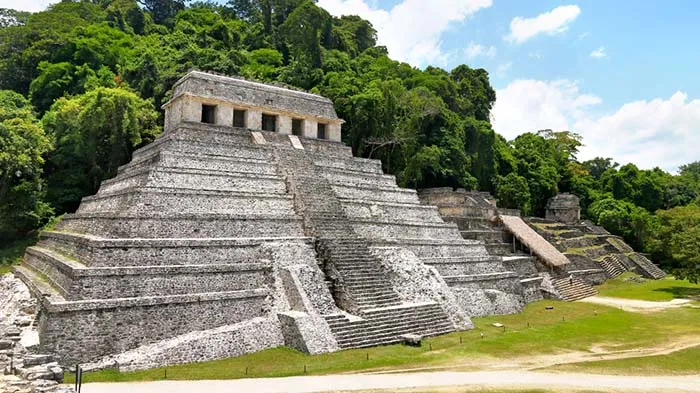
{"type": "Point", "coordinates": [81, 86]}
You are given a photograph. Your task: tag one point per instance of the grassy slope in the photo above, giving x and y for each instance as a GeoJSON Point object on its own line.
{"type": "Point", "coordinates": [654, 290]}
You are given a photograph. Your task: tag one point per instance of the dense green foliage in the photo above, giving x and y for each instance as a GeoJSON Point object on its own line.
{"type": "Point", "coordinates": [22, 144]}
{"type": "Point", "coordinates": [92, 73]}
{"type": "Point", "coordinates": [94, 134]}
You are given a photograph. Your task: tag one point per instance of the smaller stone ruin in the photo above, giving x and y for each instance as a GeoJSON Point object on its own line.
{"type": "Point", "coordinates": [564, 208]}
{"type": "Point", "coordinates": [23, 369]}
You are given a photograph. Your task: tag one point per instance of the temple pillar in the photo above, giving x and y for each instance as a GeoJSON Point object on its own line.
{"type": "Point", "coordinates": [253, 119]}
{"type": "Point", "coordinates": [284, 124]}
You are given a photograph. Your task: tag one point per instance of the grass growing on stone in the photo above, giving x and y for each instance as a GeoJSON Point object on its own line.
{"type": "Point", "coordinates": [684, 362]}
{"type": "Point", "coordinates": [655, 290]}
{"type": "Point", "coordinates": [569, 326]}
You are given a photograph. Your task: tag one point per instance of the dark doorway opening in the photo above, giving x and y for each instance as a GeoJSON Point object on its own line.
{"type": "Point", "coordinates": [321, 131]}
{"type": "Point", "coordinates": [209, 114]}
{"type": "Point", "coordinates": [296, 126]}
{"type": "Point", "coordinates": [238, 118]}
{"type": "Point", "coordinates": [269, 122]}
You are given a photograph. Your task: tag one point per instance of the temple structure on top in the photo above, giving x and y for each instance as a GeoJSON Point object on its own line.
{"type": "Point", "coordinates": [225, 101]}
{"type": "Point", "coordinates": [248, 225]}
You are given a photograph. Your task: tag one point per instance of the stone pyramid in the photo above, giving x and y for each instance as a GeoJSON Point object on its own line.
{"type": "Point", "coordinates": [247, 225]}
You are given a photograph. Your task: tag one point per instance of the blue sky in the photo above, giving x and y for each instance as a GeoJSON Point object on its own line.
{"type": "Point", "coordinates": [621, 73]}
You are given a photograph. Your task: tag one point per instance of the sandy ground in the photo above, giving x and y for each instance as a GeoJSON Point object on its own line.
{"type": "Point", "coordinates": [471, 380]}
{"type": "Point", "coordinates": [633, 305]}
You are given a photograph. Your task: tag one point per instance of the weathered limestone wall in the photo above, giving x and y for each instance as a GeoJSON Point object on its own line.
{"type": "Point", "coordinates": [249, 336]}
{"type": "Point", "coordinates": [564, 207]}
{"type": "Point", "coordinates": [416, 282]}
{"type": "Point", "coordinates": [227, 94]}
{"type": "Point", "coordinates": [98, 328]}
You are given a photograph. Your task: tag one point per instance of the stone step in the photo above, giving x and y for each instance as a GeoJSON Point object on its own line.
{"type": "Point", "coordinates": [383, 333]}
{"type": "Point", "coordinates": [195, 179]}
{"type": "Point", "coordinates": [456, 280]}
{"type": "Point", "coordinates": [96, 251]}
{"type": "Point", "coordinates": [76, 281]}
{"type": "Point", "coordinates": [360, 179]}
{"type": "Point", "coordinates": [392, 340]}
{"type": "Point", "coordinates": [182, 144]}
{"type": "Point", "coordinates": [354, 164]}
{"type": "Point", "coordinates": [345, 326]}
{"type": "Point", "coordinates": [499, 248]}
{"type": "Point", "coordinates": [374, 331]}
{"type": "Point", "coordinates": [483, 235]}
{"type": "Point", "coordinates": [361, 328]}
{"type": "Point", "coordinates": [166, 199]}
{"type": "Point", "coordinates": [171, 225]}
{"type": "Point", "coordinates": [201, 162]}
{"type": "Point", "coordinates": [381, 194]}
{"type": "Point", "coordinates": [573, 289]}
{"type": "Point", "coordinates": [612, 266]}
{"type": "Point", "coordinates": [646, 267]}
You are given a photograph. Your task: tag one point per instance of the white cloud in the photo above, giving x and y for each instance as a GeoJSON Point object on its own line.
{"type": "Point", "coordinates": [476, 50]}
{"type": "Point", "coordinates": [553, 22]}
{"type": "Point", "coordinates": [599, 53]}
{"type": "Point", "coordinates": [411, 30]}
{"type": "Point", "coordinates": [658, 132]}
{"type": "Point", "coordinates": [27, 5]}
{"type": "Point", "coordinates": [530, 105]}
{"type": "Point", "coordinates": [536, 55]}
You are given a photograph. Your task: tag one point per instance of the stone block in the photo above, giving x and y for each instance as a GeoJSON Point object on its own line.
{"type": "Point", "coordinates": [224, 115]}
{"type": "Point", "coordinates": [253, 119]}
{"type": "Point", "coordinates": [412, 340]}
{"type": "Point", "coordinates": [307, 333]}
{"type": "Point", "coordinates": [35, 360]}
{"type": "Point", "coordinates": [34, 372]}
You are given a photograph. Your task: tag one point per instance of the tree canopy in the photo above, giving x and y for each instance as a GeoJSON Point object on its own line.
{"type": "Point", "coordinates": [82, 83]}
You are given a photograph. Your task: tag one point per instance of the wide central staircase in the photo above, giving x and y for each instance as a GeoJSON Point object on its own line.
{"type": "Point", "coordinates": [375, 312]}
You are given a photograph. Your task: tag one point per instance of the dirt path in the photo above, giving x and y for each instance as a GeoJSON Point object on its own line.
{"type": "Point", "coordinates": [538, 362]}
{"type": "Point", "coordinates": [475, 380]}
{"type": "Point", "coordinates": [633, 305]}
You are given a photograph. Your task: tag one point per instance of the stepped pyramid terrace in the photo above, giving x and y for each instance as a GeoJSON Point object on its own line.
{"type": "Point", "coordinates": [248, 225]}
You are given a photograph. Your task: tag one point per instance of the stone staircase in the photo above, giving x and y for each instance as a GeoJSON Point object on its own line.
{"type": "Point", "coordinates": [357, 282]}
{"type": "Point", "coordinates": [358, 272]}
{"type": "Point", "coordinates": [645, 267]}
{"type": "Point", "coordinates": [612, 265]}
{"type": "Point", "coordinates": [573, 289]}
{"type": "Point", "coordinates": [386, 325]}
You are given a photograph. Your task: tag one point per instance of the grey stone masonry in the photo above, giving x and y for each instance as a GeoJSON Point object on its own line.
{"type": "Point", "coordinates": [594, 253]}
{"type": "Point", "coordinates": [230, 235]}
{"type": "Point", "coordinates": [564, 207]}
{"type": "Point", "coordinates": [357, 281]}
{"type": "Point", "coordinates": [236, 102]}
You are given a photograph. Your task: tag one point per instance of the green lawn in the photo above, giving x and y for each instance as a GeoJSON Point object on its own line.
{"type": "Point", "coordinates": [655, 290]}
{"type": "Point", "coordinates": [683, 362]}
{"type": "Point", "coordinates": [569, 326]}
